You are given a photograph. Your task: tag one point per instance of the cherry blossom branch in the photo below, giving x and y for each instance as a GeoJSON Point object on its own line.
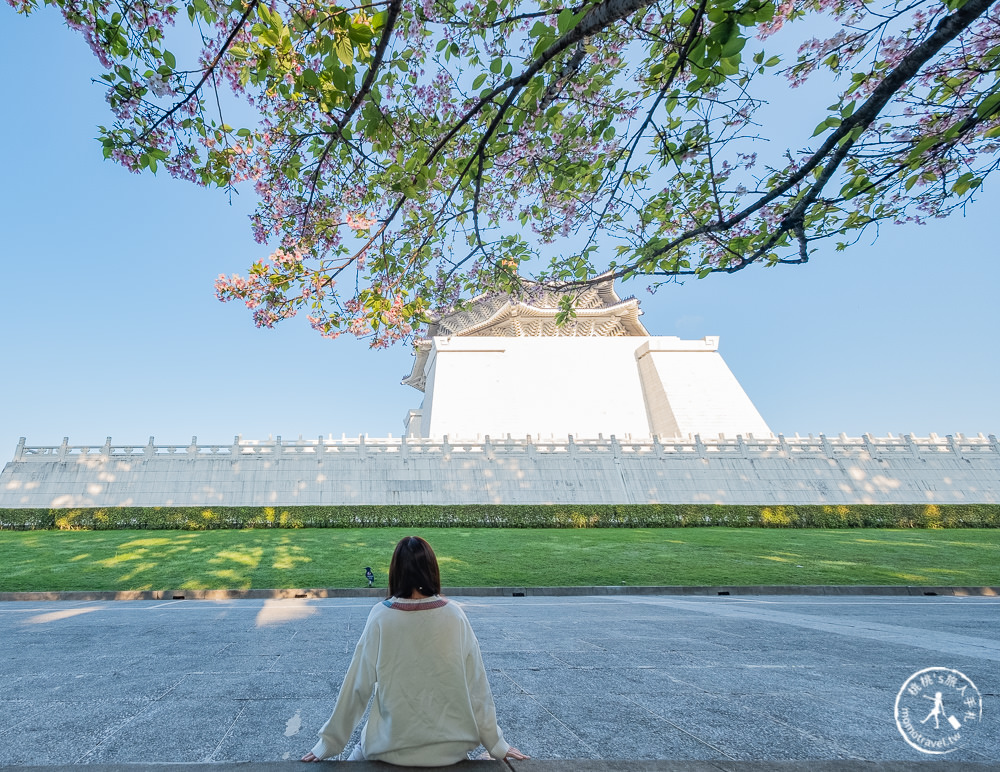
{"type": "Point", "coordinates": [836, 146]}
{"type": "Point", "coordinates": [251, 7]}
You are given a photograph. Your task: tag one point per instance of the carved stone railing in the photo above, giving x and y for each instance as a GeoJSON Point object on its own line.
{"type": "Point", "coordinates": [740, 447]}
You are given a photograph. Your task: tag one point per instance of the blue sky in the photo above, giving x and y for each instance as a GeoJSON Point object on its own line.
{"type": "Point", "coordinates": [109, 325]}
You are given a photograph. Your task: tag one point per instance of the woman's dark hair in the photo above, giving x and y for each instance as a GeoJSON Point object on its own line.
{"type": "Point", "coordinates": [414, 568]}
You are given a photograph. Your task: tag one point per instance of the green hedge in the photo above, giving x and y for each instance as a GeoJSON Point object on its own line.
{"type": "Point", "coordinates": [499, 516]}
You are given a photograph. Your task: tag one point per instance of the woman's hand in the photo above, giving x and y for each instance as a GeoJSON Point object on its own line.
{"type": "Point", "coordinates": [309, 757]}
{"type": "Point", "coordinates": [516, 755]}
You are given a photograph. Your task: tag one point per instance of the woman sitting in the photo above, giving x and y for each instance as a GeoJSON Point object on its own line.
{"type": "Point", "coordinates": [419, 655]}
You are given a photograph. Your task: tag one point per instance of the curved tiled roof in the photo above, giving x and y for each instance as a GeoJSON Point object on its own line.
{"type": "Point", "coordinates": [599, 312]}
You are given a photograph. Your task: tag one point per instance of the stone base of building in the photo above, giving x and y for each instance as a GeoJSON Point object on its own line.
{"type": "Point", "coordinates": [822, 470]}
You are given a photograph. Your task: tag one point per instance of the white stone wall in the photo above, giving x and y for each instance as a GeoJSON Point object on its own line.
{"type": "Point", "coordinates": [391, 471]}
{"type": "Point", "coordinates": [584, 386]}
{"type": "Point", "coordinates": [701, 393]}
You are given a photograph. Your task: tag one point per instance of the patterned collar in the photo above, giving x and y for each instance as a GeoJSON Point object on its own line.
{"type": "Point", "coordinates": [418, 604]}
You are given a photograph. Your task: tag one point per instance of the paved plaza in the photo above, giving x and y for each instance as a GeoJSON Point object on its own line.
{"type": "Point", "coordinates": [708, 680]}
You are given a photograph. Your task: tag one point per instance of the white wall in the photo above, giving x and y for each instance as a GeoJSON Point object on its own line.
{"type": "Point", "coordinates": [538, 386]}
{"type": "Point", "coordinates": [703, 395]}
{"type": "Point", "coordinates": [795, 471]}
{"type": "Point", "coordinates": [585, 387]}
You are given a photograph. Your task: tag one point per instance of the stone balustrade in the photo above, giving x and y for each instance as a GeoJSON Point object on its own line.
{"type": "Point", "coordinates": [841, 446]}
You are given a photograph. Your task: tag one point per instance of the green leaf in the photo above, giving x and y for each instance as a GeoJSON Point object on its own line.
{"type": "Point", "coordinates": [541, 45]}
{"type": "Point", "coordinates": [169, 60]}
{"type": "Point", "coordinates": [566, 20]}
{"type": "Point", "coordinates": [766, 13]}
{"type": "Point", "coordinates": [923, 145]}
{"type": "Point", "coordinates": [344, 49]}
{"type": "Point", "coordinates": [264, 13]}
{"type": "Point", "coordinates": [540, 30]}
{"type": "Point", "coordinates": [989, 105]}
{"type": "Point", "coordinates": [964, 183]}
{"type": "Point", "coordinates": [729, 65]}
{"type": "Point", "coordinates": [830, 122]}
{"type": "Point", "coordinates": [724, 31]}
{"type": "Point", "coordinates": [733, 46]}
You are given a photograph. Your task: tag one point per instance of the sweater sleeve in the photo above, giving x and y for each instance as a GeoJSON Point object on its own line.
{"type": "Point", "coordinates": [483, 707]}
{"type": "Point", "coordinates": [354, 695]}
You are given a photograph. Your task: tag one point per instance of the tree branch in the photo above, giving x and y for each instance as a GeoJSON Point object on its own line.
{"type": "Point", "coordinates": [207, 74]}
{"type": "Point", "coordinates": [838, 144]}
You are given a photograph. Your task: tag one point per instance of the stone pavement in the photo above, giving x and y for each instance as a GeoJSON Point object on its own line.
{"type": "Point", "coordinates": [658, 683]}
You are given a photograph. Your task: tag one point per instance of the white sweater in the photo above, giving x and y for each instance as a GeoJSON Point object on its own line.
{"type": "Point", "coordinates": [432, 703]}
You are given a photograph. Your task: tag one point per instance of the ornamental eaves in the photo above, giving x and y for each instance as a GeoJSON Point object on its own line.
{"type": "Point", "coordinates": [600, 312]}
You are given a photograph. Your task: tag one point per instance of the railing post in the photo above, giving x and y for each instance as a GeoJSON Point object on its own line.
{"type": "Point", "coordinates": [699, 445]}
{"type": "Point", "coordinates": [488, 447]}
{"type": "Point", "coordinates": [106, 450]}
{"type": "Point", "coordinates": [870, 446]}
{"type": "Point", "coordinates": [63, 449]}
{"type": "Point", "coordinates": [783, 444]}
{"type": "Point", "coordinates": [994, 443]}
{"type": "Point", "coordinates": [912, 446]}
{"type": "Point", "coordinates": [192, 449]}
{"type": "Point", "coordinates": [236, 452]}
{"type": "Point", "coordinates": [827, 447]}
{"type": "Point", "coordinates": [19, 451]}
{"type": "Point", "coordinates": [150, 450]}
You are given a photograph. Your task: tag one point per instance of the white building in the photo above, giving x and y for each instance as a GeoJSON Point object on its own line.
{"type": "Point", "coordinates": [504, 367]}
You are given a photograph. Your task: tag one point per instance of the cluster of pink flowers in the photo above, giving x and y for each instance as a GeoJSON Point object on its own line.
{"type": "Point", "coordinates": [287, 257]}
{"type": "Point", "coordinates": [781, 14]}
{"type": "Point", "coordinates": [358, 222]}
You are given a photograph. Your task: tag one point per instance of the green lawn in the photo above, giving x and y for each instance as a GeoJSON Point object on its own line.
{"type": "Point", "coordinates": [169, 560]}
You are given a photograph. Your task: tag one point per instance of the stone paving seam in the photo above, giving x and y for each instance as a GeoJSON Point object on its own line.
{"type": "Point", "coordinates": [681, 729]}
{"type": "Point", "coordinates": [555, 718]}
{"type": "Point", "coordinates": [210, 758]}
{"type": "Point", "coordinates": [93, 749]}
